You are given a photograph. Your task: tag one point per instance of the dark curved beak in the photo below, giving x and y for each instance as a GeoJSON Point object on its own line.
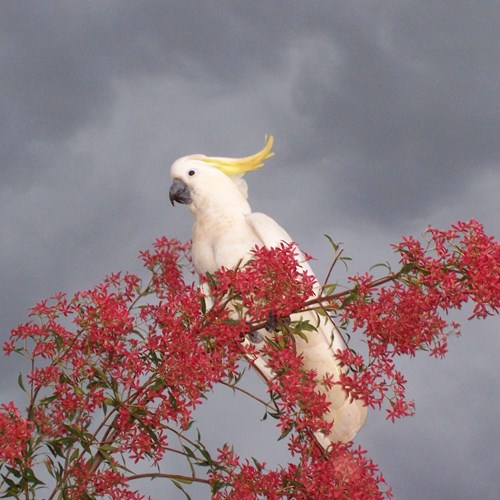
{"type": "Point", "coordinates": [179, 192]}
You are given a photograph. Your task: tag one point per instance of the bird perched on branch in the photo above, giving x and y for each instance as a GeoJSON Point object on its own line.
{"type": "Point", "coordinates": [224, 233]}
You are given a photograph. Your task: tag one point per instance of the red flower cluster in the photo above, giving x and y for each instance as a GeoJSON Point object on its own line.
{"type": "Point", "coordinates": [300, 405]}
{"type": "Point", "coordinates": [101, 483]}
{"type": "Point", "coordinates": [405, 314]}
{"type": "Point", "coordinates": [269, 285]}
{"type": "Point", "coordinates": [14, 434]}
{"type": "Point", "coordinates": [143, 365]}
{"type": "Point", "coordinates": [341, 473]}
{"type": "Point", "coordinates": [466, 266]}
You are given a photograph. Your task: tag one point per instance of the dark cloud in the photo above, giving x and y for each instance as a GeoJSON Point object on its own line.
{"type": "Point", "coordinates": [59, 62]}
{"type": "Point", "coordinates": [411, 103]}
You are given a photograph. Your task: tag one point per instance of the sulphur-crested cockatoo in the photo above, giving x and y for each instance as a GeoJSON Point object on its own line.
{"type": "Point", "coordinates": [224, 233]}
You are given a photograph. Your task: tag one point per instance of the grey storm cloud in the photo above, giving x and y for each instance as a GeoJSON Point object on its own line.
{"type": "Point", "coordinates": [411, 94]}
{"type": "Point", "coordinates": [385, 116]}
{"type": "Point", "coordinates": [409, 99]}
{"type": "Point", "coordinates": [60, 59]}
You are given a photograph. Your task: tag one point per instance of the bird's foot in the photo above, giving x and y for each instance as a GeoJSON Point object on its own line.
{"type": "Point", "coordinates": [255, 337]}
{"type": "Point", "coordinates": [273, 322]}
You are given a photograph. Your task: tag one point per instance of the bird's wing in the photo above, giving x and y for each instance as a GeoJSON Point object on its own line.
{"type": "Point", "coordinates": [267, 229]}
{"type": "Point", "coordinates": [318, 351]}
{"type": "Point", "coordinates": [271, 234]}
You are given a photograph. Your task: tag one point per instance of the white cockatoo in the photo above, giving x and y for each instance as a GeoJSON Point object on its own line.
{"type": "Point", "coordinates": [224, 233]}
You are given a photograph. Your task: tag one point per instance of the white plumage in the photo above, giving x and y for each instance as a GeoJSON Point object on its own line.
{"type": "Point", "coordinates": [224, 233]}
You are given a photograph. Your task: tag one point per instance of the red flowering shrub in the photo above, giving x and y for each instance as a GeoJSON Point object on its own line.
{"type": "Point", "coordinates": [116, 371]}
{"type": "Point", "coordinates": [404, 313]}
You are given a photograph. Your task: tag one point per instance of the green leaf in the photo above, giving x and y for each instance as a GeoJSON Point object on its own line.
{"type": "Point", "coordinates": [216, 486]}
{"type": "Point", "coordinates": [13, 471]}
{"type": "Point", "coordinates": [206, 455]}
{"type": "Point", "coordinates": [107, 447]}
{"type": "Point", "coordinates": [12, 492]}
{"type": "Point", "coordinates": [78, 390]}
{"type": "Point", "coordinates": [258, 465]}
{"type": "Point", "coordinates": [20, 382]}
{"type": "Point", "coordinates": [301, 334]}
{"type": "Point", "coordinates": [285, 433]}
{"type": "Point", "coordinates": [329, 289]}
{"type": "Point", "coordinates": [303, 325]}
{"type": "Point", "coordinates": [74, 455]}
{"type": "Point", "coordinates": [58, 341]}
{"type": "Point", "coordinates": [183, 480]}
{"type": "Point", "coordinates": [385, 265]}
{"type": "Point", "coordinates": [47, 400]}
{"type": "Point", "coordinates": [189, 452]}
{"type": "Point", "coordinates": [31, 478]}
{"type": "Point", "coordinates": [334, 245]}
{"type": "Point", "coordinates": [49, 465]}
{"type": "Point", "coordinates": [407, 268]}
{"type": "Point", "coordinates": [10, 482]}
{"type": "Point", "coordinates": [159, 384]}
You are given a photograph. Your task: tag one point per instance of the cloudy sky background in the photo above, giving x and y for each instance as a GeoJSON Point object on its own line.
{"type": "Point", "coordinates": [386, 119]}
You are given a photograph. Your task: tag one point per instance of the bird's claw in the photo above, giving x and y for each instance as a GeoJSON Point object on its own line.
{"type": "Point", "coordinates": [273, 322]}
{"type": "Point", "coordinates": [255, 337]}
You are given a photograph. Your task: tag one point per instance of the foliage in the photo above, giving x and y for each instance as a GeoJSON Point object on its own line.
{"type": "Point", "coordinates": [116, 371]}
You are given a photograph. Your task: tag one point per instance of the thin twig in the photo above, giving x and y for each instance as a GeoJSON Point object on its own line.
{"type": "Point", "coordinates": [175, 477]}
{"type": "Point", "coordinates": [247, 393]}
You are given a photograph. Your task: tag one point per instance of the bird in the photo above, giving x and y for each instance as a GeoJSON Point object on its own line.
{"type": "Point", "coordinates": [225, 233]}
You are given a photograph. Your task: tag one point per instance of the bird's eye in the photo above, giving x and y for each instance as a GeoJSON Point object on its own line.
{"type": "Point", "coordinates": [191, 173]}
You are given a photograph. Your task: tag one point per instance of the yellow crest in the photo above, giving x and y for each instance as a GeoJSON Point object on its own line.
{"type": "Point", "coordinates": [238, 166]}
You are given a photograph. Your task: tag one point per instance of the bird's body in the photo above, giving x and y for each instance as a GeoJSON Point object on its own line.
{"type": "Point", "coordinates": [224, 233]}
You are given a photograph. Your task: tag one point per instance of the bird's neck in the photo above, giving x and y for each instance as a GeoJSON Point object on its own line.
{"type": "Point", "coordinates": [227, 206]}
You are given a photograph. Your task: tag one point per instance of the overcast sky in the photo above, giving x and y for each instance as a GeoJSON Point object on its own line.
{"type": "Point", "coordinates": [386, 119]}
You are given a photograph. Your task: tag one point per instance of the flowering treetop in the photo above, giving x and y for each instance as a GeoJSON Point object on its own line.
{"type": "Point", "coordinates": [115, 372]}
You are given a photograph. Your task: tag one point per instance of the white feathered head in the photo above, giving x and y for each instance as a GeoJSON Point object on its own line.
{"type": "Point", "coordinates": [187, 172]}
